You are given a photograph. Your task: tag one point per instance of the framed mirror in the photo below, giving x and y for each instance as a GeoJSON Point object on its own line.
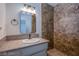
{"type": "Point", "coordinates": [27, 22]}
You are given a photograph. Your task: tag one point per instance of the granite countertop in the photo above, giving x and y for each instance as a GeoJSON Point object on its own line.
{"type": "Point", "coordinates": [16, 44]}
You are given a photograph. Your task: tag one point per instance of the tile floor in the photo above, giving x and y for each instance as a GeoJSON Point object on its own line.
{"type": "Point", "coordinates": [55, 52]}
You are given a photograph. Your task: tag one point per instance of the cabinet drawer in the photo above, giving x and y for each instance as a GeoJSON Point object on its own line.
{"type": "Point", "coordinates": [34, 49]}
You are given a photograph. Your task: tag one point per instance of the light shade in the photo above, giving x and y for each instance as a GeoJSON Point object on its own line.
{"type": "Point", "coordinates": [28, 9]}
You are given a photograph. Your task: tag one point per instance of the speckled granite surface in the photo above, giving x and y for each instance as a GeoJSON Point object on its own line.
{"type": "Point", "coordinates": [16, 44]}
{"type": "Point", "coordinates": [66, 28]}
{"type": "Point", "coordinates": [55, 52]}
{"type": "Point", "coordinates": [47, 23]}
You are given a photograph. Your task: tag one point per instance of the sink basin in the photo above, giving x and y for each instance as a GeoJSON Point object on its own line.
{"type": "Point", "coordinates": [33, 40]}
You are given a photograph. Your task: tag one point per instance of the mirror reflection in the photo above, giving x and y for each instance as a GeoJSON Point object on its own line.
{"type": "Point", "coordinates": [27, 22]}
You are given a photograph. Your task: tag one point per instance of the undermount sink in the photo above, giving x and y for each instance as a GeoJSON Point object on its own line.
{"type": "Point", "coordinates": [33, 40]}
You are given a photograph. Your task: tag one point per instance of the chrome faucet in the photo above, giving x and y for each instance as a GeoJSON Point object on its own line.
{"type": "Point", "coordinates": [29, 36]}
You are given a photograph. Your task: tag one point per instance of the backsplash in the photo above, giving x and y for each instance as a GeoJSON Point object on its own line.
{"type": "Point", "coordinates": [22, 36]}
{"type": "Point", "coordinates": [66, 28]}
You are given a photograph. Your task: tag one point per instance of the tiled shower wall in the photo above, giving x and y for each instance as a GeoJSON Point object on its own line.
{"type": "Point", "coordinates": [66, 28]}
{"type": "Point", "coordinates": [47, 23]}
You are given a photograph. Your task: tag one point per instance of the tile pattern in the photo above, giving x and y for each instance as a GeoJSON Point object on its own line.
{"type": "Point", "coordinates": [47, 23]}
{"type": "Point", "coordinates": [66, 28]}
{"type": "Point", "coordinates": [55, 52]}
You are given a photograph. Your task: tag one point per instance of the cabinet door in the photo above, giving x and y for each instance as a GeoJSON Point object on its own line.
{"type": "Point", "coordinates": [34, 49]}
{"type": "Point", "coordinates": [15, 52]}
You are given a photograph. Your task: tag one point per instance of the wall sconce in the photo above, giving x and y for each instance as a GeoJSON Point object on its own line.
{"type": "Point", "coordinates": [29, 8]}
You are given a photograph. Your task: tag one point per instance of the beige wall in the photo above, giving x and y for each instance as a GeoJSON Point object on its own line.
{"type": "Point", "coordinates": [2, 20]}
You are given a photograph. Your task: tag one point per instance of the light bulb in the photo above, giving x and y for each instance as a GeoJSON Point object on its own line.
{"type": "Point", "coordinates": [29, 10]}
{"type": "Point", "coordinates": [24, 9]}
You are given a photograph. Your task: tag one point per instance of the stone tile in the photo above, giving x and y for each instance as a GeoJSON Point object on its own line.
{"type": "Point", "coordinates": [66, 28]}
{"type": "Point", "coordinates": [55, 52]}
{"type": "Point", "coordinates": [47, 23]}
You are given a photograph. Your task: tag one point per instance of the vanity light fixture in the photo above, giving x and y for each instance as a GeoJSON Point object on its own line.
{"type": "Point", "coordinates": [29, 8]}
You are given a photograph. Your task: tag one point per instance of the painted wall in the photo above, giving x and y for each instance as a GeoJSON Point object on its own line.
{"type": "Point", "coordinates": [12, 11]}
{"type": "Point", "coordinates": [38, 20]}
{"type": "Point", "coordinates": [2, 20]}
{"type": "Point", "coordinates": [66, 28]}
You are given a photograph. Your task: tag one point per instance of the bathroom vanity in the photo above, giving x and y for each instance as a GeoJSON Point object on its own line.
{"type": "Point", "coordinates": [20, 48]}
{"type": "Point", "coordinates": [22, 31]}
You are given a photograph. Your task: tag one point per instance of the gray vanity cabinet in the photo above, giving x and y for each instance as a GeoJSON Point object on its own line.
{"type": "Point", "coordinates": [41, 53]}
{"type": "Point", "coordinates": [17, 52]}
{"type": "Point", "coordinates": [3, 53]}
{"type": "Point", "coordinates": [34, 50]}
